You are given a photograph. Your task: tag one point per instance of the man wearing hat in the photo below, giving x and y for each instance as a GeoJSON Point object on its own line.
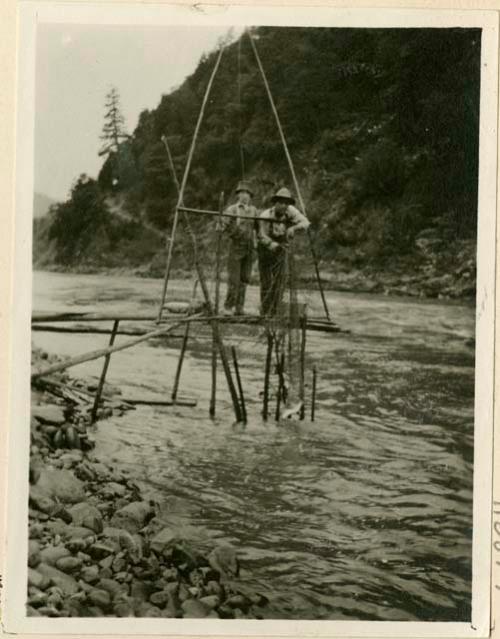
{"type": "Point", "coordinates": [241, 248]}
{"type": "Point", "coordinates": [274, 236]}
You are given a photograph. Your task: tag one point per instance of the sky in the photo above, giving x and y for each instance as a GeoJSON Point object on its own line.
{"type": "Point", "coordinates": [76, 65]}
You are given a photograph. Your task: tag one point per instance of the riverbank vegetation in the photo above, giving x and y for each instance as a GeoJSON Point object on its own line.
{"type": "Point", "coordinates": [382, 125]}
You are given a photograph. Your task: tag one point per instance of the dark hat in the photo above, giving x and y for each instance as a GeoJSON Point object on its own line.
{"type": "Point", "coordinates": [284, 195]}
{"type": "Point", "coordinates": [243, 186]}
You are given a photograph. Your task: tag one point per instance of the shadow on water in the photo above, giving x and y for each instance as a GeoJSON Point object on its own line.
{"type": "Point", "coordinates": [365, 513]}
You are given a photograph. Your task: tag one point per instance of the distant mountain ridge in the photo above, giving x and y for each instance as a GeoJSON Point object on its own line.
{"type": "Point", "coordinates": [41, 204]}
{"type": "Point", "coordinates": [382, 125]}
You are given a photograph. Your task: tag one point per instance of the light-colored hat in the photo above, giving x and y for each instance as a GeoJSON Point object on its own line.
{"type": "Point", "coordinates": [284, 195]}
{"type": "Point", "coordinates": [243, 186]}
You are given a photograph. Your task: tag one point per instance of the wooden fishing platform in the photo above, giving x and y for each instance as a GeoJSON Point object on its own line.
{"type": "Point", "coordinates": [39, 320]}
{"type": "Point", "coordinates": [170, 317]}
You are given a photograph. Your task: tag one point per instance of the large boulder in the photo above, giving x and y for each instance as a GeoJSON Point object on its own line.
{"type": "Point", "coordinates": [61, 485]}
{"type": "Point", "coordinates": [51, 554]}
{"type": "Point", "coordinates": [86, 515]}
{"type": "Point", "coordinates": [194, 609]}
{"type": "Point", "coordinates": [223, 559]}
{"type": "Point", "coordinates": [48, 414]}
{"type": "Point", "coordinates": [65, 582]}
{"type": "Point", "coordinates": [163, 541]}
{"type": "Point", "coordinates": [132, 517]}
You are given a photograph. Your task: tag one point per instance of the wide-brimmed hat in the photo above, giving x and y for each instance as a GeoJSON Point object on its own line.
{"type": "Point", "coordinates": [284, 195]}
{"type": "Point", "coordinates": [244, 186]}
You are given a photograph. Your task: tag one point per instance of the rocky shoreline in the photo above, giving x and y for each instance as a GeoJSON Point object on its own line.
{"type": "Point", "coordinates": [97, 548]}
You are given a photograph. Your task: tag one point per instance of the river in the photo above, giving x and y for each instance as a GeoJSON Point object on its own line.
{"type": "Point", "coordinates": [365, 513]}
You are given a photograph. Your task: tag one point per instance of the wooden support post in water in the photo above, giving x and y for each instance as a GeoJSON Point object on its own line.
{"type": "Point", "coordinates": [107, 358]}
{"type": "Point", "coordinates": [313, 399]}
{"type": "Point", "coordinates": [185, 338]}
{"type": "Point", "coordinates": [213, 395]}
{"type": "Point", "coordinates": [240, 386]}
{"type": "Point", "coordinates": [302, 372]}
{"type": "Point", "coordinates": [177, 378]}
{"type": "Point", "coordinates": [281, 386]}
{"type": "Point", "coordinates": [267, 372]}
{"type": "Point", "coordinates": [102, 352]}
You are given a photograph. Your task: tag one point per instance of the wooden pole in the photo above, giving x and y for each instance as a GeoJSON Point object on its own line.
{"type": "Point", "coordinates": [213, 394]}
{"type": "Point", "coordinates": [240, 386]}
{"type": "Point", "coordinates": [267, 372]}
{"type": "Point", "coordinates": [107, 359]}
{"type": "Point", "coordinates": [180, 362]}
{"type": "Point", "coordinates": [183, 350]}
{"type": "Point", "coordinates": [88, 357]}
{"type": "Point", "coordinates": [90, 330]}
{"type": "Point", "coordinates": [281, 389]}
{"type": "Point", "coordinates": [290, 163]}
{"type": "Point", "coordinates": [180, 199]}
{"type": "Point", "coordinates": [156, 402]}
{"type": "Point", "coordinates": [313, 399]}
{"type": "Point", "coordinates": [303, 331]}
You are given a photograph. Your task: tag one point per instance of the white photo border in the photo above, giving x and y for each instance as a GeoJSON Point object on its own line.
{"type": "Point", "coordinates": [30, 14]}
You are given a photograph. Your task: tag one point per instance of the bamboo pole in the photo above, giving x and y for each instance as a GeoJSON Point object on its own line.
{"type": "Point", "coordinates": [255, 218]}
{"type": "Point", "coordinates": [88, 357]}
{"type": "Point", "coordinates": [313, 324]}
{"type": "Point", "coordinates": [281, 388]}
{"type": "Point", "coordinates": [185, 338]}
{"type": "Point", "coordinates": [313, 399]}
{"type": "Point", "coordinates": [303, 331]}
{"type": "Point", "coordinates": [213, 394]}
{"type": "Point", "coordinates": [191, 403]}
{"type": "Point", "coordinates": [107, 359]}
{"type": "Point", "coordinates": [240, 386]}
{"type": "Point", "coordinates": [164, 139]}
{"type": "Point", "coordinates": [89, 330]}
{"type": "Point", "coordinates": [267, 372]}
{"type": "Point", "coordinates": [180, 362]}
{"type": "Point", "coordinates": [290, 164]}
{"type": "Point", "coordinates": [182, 187]}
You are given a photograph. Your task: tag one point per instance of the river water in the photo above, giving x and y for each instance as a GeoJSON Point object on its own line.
{"type": "Point", "coordinates": [365, 513]}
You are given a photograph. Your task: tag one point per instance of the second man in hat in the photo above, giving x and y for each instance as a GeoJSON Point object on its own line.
{"type": "Point", "coordinates": [242, 236]}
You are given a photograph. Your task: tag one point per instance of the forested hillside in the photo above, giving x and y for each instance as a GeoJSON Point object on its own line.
{"type": "Point", "coordinates": [383, 128]}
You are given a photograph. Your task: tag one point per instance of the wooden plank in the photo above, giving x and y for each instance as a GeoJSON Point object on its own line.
{"type": "Point", "coordinates": [243, 320]}
{"type": "Point", "coordinates": [190, 403]}
{"type": "Point", "coordinates": [92, 330]}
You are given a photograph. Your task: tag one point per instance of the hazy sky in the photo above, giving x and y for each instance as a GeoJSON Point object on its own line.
{"type": "Point", "coordinates": [75, 67]}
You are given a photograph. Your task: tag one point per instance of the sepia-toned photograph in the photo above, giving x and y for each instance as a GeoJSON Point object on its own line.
{"type": "Point", "coordinates": [253, 386]}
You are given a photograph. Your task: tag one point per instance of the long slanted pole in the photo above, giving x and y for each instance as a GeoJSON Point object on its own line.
{"type": "Point", "coordinates": [182, 187]}
{"type": "Point", "coordinates": [100, 386]}
{"type": "Point", "coordinates": [240, 386]}
{"type": "Point", "coordinates": [290, 164]}
{"type": "Point", "coordinates": [213, 395]}
{"type": "Point", "coordinates": [88, 357]}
